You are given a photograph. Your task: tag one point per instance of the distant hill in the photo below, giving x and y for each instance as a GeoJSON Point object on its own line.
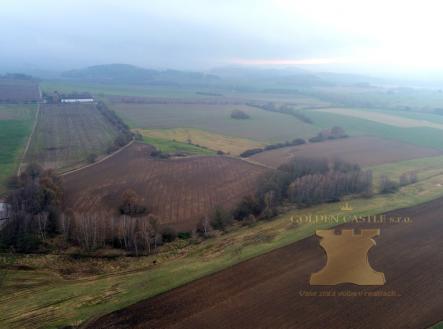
{"type": "Point", "coordinates": [295, 77]}
{"type": "Point", "coordinates": [234, 76]}
{"type": "Point", "coordinates": [17, 76]}
{"type": "Point", "coordinates": [124, 73]}
{"type": "Point", "coordinates": [290, 77]}
{"type": "Point", "coordinates": [351, 79]}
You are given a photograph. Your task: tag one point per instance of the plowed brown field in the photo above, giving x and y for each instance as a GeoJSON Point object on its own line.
{"type": "Point", "coordinates": [18, 91]}
{"type": "Point", "coordinates": [366, 151]}
{"type": "Point", "coordinates": [179, 191]}
{"type": "Point", "coordinates": [267, 291]}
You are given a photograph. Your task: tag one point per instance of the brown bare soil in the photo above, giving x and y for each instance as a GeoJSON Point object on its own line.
{"type": "Point", "coordinates": [180, 191]}
{"type": "Point", "coordinates": [267, 291]}
{"type": "Point", "coordinates": [18, 91]}
{"type": "Point", "coordinates": [366, 151]}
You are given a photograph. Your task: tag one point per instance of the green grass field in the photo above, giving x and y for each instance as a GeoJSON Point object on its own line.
{"type": "Point", "coordinates": [169, 146]}
{"type": "Point", "coordinates": [248, 94]}
{"type": "Point", "coordinates": [420, 116]}
{"type": "Point", "coordinates": [371, 97]}
{"type": "Point", "coordinates": [421, 136]}
{"type": "Point", "coordinates": [116, 89]}
{"type": "Point", "coordinates": [42, 297]}
{"type": "Point", "coordinates": [212, 141]}
{"type": "Point", "coordinates": [15, 126]}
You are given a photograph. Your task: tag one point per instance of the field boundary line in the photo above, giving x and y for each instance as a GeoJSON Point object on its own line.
{"type": "Point", "coordinates": [256, 163]}
{"type": "Point", "coordinates": [435, 325]}
{"type": "Point", "coordinates": [99, 161]}
{"type": "Point", "coordinates": [28, 143]}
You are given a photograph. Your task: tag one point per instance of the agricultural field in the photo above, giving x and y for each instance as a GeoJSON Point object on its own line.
{"type": "Point", "coordinates": [419, 116]}
{"type": "Point", "coordinates": [183, 190]}
{"type": "Point", "coordinates": [15, 126]}
{"type": "Point", "coordinates": [19, 91]}
{"type": "Point", "coordinates": [179, 191]}
{"type": "Point", "coordinates": [420, 136]}
{"type": "Point", "coordinates": [215, 142]}
{"type": "Point", "coordinates": [66, 134]}
{"type": "Point", "coordinates": [52, 291]}
{"type": "Point", "coordinates": [104, 90]}
{"type": "Point", "coordinates": [389, 119]}
{"type": "Point", "coordinates": [366, 151]}
{"type": "Point", "coordinates": [380, 98]}
{"type": "Point", "coordinates": [263, 126]}
{"type": "Point", "coordinates": [149, 93]}
{"type": "Point", "coordinates": [172, 147]}
{"type": "Point", "coordinates": [277, 295]}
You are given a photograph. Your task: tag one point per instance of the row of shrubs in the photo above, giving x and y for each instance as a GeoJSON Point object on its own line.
{"type": "Point", "coordinates": [124, 132]}
{"type": "Point", "coordinates": [286, 109]}
{"type": "Point", "coordinates": [326, 134]}
{"type": "Point", "coordinates": [295, 142]}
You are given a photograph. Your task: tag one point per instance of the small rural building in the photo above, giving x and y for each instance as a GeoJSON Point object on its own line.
{"type": "Point", "coordinates": [4, 210]}
{"type": "Point", "coordinates": [55, 97]}
{"type": "Point", "coordinates": [77, 100]}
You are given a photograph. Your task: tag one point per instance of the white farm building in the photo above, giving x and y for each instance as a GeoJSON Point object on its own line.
{"type": "Point", "coordinates": [4, 210]}
{"type": "Point", "coordinates": [77, 100]}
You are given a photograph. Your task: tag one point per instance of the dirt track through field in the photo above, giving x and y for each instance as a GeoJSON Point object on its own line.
{"type": "Point", "coordinates": [28, 143]}
{"type": "Point", "coordinates": [265, 292]}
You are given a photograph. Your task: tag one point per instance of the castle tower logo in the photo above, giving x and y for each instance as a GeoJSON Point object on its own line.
{"type": "Point", "coordinates": [346, 207]}
{"type": "Point", "coordinates": [347, 258]}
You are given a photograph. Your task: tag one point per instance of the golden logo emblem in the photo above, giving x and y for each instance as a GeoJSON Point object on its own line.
{"type": "Point", "coordinates": [347, 258]}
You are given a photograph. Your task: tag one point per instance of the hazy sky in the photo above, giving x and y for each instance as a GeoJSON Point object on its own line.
{"type": "Point", "coordinates": [341, 35]}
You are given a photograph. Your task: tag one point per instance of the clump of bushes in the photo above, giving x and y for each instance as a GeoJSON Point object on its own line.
{"type": "Point", "coordinates": [333, 133]}
{"type": "Point", "coordinates": [91, 158]}
{"type": "Point", "coordinates": [304, 182]}
{"type": "Point", "coordinates": [184, 235]}
{"type": "Point", "coordinates": [168, 234]}
{"type": "Point", "coordinates": [301, 182]}
{"type": "Point", "coordinates": [35, 202]}
{"type": "Point", "coordinates": [251, 152]}
{"type": "Point", "coordinates": [286, 109]}
{"type": "Point", "coordinates": [132, 204]}
{"type": "Point", "coordinates": [220, 219]}
{"type": "Point", "coordinates": [159, 154]}
{"type": "Point", "coordinates": [238, 114]}
{"type": "Point", "coordinates": [408, 178]}
{"type": "Point", "coordinates": [388, 186]}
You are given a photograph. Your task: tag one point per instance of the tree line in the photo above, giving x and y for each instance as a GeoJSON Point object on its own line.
{"type": "Point", "coordinates": [35, 203]}
{"type": "Point", "coordinates": [302, 182]}
{"type": "Point", "coordinates": [125, 135]}
{"type": "Point", "coordinates": [251, 152]}
{"type": "Point", "coordinates": [286, 109]}
{"type": "Point", "coordinates": [335, 132]}
{"type": "Point", "coordinates": [38, 217]}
